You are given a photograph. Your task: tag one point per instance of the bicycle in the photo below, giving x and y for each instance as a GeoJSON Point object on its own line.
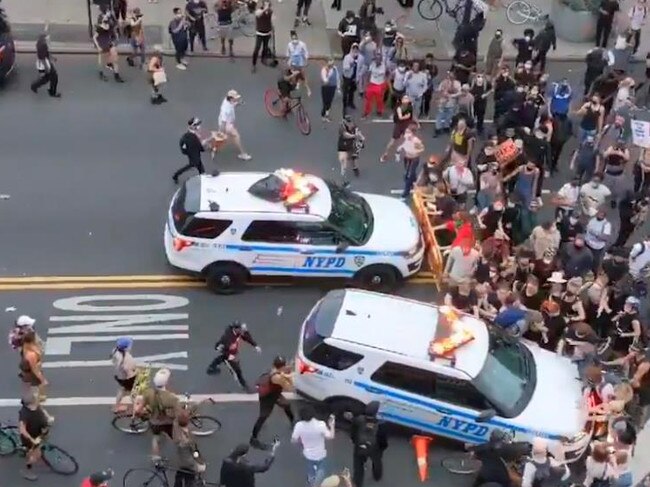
{"type": "Point", "coordinates": [243, 21]}
{"type": "Point", "coordinates": [433, 9]}
{"type": "Point", "coordinates": [200, 424]}
{"type": "Point", "coordinates": [56, 458]}
{"type": "Point", "coordinates": [157, 477]}
{"type": "Point", "coordinates": [277, 107]}
{"type": "Point", "coordinates": [520, 11]}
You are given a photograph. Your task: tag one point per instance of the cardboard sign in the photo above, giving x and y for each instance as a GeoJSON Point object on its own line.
{"type": "Point", "coordinates": [506, 152]}
{"type": "Point", "coordinates": [641, 133]}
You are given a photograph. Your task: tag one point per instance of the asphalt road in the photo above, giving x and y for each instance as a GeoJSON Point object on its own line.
{"type": "Point", "coordinates": [89, 179]}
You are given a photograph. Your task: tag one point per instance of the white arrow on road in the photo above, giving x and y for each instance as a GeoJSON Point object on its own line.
{"type": "Point", "coordinates": [155, 361]}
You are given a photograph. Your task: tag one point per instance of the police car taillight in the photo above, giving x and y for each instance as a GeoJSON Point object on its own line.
{"type": "Point", "coordinates": [304, 368]}
{"type": "Point", "coordinates": [181, 244]}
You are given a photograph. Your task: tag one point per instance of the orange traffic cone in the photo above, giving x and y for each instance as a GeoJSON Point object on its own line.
{"type": "Point", "coordinates": [421, 445]}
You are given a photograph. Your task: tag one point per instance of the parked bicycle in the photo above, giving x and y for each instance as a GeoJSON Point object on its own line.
{"type": "Point", "coordinates": [277, 107]}
{"type": "Point", "coordinates": [433, 9]}
{"type": "Point", "coordinates": [521, 12]}
{"type": "Point", "coordinates": [200, 424]}
{"type": "Point", "coordinates": [56, 458]}
{"type": "Point", "coordinates": [157, 477]}
{"type": "Point", "coordinates": [243, 21]}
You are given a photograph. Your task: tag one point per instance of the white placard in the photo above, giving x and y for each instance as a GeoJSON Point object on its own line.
{"type": "Point", "coordinates": [641, 133]}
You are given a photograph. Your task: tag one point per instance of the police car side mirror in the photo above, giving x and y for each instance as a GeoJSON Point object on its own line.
{"type": "Point", "coordinates": [342, 247]}
{"type": "Point", "coordinates": [485, 415]}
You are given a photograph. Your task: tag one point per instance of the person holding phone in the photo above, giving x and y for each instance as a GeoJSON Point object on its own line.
{"type": "Point", "coordinates": [311, 433]}
{"type": "Point", "coordinates": [238, 471]}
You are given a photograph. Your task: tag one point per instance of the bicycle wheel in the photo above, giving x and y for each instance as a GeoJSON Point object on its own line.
{"type": "Point", "coordinates": [8, 441]}
{"type": "Point", "coordinates": [273, 103]}
{"type": "Point", "coordinates": [127, 423]}
{"type": "Point", "coordinates": [142, 477]}
{"type": "Point", "coordinates": [59, 460]}
{"type": "Point", "coordinates": [302, 119]}
{"type": "Point", "coordinates": [462, 464]}
{"type": "Point", "coordinates": [518, 12]}
{"type": "Point", "coordinates": [430, 9]}
{"type": "Point", "coordinates": [247, 24]}
{"type": "Point", "coordinates": [204, 425]}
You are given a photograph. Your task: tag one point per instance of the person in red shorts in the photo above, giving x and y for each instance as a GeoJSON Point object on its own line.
{"type": "Point", "coordinates": [98, 479]}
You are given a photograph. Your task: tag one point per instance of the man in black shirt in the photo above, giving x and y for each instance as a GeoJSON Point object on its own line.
{"type": "Point", "coordinates": [349, 31]}
{"type": "Point", "coordinates": [370, 440]}
{"type": "Point", "coordinates": [32, 426]}
{"type": "Point", "coordinates": [264, 30]}
{"type": "Point", "coordinates": [503, 84]}
{"type": "Point", "coordinates": [238, 471]}
{"type": "Point", "coordinates": [606, 13]}
{"type": "Point", "coordinates": [192, 146]}
{"type": "Point", "coordinates": [596, 63]}
{"type": "Point", "coordinates": [463, 65]}
{"type": "Point", "coordinates": [195, 11]}
{"type": "Point", "coordinates": [542, 44]}
{"type": "Point", "coordinates": [524, 47]}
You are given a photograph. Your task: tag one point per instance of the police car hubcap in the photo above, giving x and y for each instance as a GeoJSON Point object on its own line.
{"type": "Point", "coordinates": [225, 280]}
{"type": "Point", "coordinates": [376, 280]}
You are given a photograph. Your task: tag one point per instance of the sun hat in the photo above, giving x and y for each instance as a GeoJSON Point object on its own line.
{"type": "Point", "coordinates": [557, 277]}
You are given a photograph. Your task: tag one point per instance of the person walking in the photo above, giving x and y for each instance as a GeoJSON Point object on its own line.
{"type": "Point", "coordinates": [270, 386]}
{"type": "Point", "coordinates": [45, 67]}
{"type": "Point", "coordinates": [494, 55]}
{"type": "Point", "coordinates": [136, 28]}
{"type": "Point", "coordinates": [228, 351]}
{"type": "Point", "coordinates": [105, 39]}
{"type": "Point", "coordinates": [263, 32]}
{"type": "Point", "coordinates": [125, 370]}
{"type": "Point", "coordinates": [227, 122]}
{"type": "Point", "coordinates": [348, 135]}
{"type": "Point", "coordinates": [312, 433]}
{"type": "Point", "coordinates": [178, 31]}
{"type": "Point", "coordinates": [195, 11]}
{"type": "Point", "coordinates": [411, 150]}
{"type": "Point", "coordinates": [638, 14]}
{"type": "Point", "coordinates": [157, 76]}
{"type": "Point", "coordinates": [330, 84]}
{"type": "Point", "coordinates": [370, 441]}
{"type": "Point", "coordinates": [606, 13]}
{"type": "Point", "coordinates": [238, 471]}
{"type": "Point", "coordinates": [192, 146]}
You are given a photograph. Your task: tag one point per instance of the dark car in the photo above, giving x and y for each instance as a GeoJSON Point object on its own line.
{"type": "Point", "coordinates": [7, 48]}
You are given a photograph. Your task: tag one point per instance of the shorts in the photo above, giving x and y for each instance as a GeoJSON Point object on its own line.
{"type": "Point", "coordinates": [225, 31]}
{"type": "Point", "coordinates": [399, 129]}
{"type": "Point", "coordinates": [126, 384]}
{"type": "Point", "coordinates": [27, 443]}
{"type": "Point", "coordinates": [285, 89]}
{"type": "Point", "coordinates": [159, 429]}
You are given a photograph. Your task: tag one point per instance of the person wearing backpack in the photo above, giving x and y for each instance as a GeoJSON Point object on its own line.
{"type": "Point", "coordinates": [600, 472]}
{"type": "Point", "coordinates": [541, 468]}
{"type": "Point", "coordinates": [270, 386]}
{"type": "Point", "coordinates": [311, 433]}
{"type": "Point", "coordinates": [370, 440]}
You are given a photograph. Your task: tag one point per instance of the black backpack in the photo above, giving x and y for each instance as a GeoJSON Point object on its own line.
{"type": "Point", "coordinates": [367, 436]}
{"type": "Point", "coordinates": [264, 385]}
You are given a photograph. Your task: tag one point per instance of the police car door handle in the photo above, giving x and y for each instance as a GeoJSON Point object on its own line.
{"type": "Point", "coordinates": [306, 251]}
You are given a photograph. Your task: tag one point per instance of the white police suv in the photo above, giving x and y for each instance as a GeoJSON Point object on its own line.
{"type": "Point", "coordinates": [237, 225]}
{"type": "Point", "coordinates": [438, 371]}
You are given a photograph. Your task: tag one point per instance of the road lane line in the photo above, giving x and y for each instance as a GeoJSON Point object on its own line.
{"type": "Point", "coordinates": [155, 361]}
{"type": "Point", "coordinates": [220, 398]}
{"type": "Point", "coordinates": [125, 278]}
{"type": "Point", "coordinates": [390, 120]}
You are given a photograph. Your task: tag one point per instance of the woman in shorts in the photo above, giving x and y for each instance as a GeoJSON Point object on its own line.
{"type": "Point", "coordinates": [225, 9]}
{"type": "Point", "coordinates": [105, 42]}
{"type": "Point", "coordinates": [125, 370]}
{"type": "Point", "coordinates": [403, 117]}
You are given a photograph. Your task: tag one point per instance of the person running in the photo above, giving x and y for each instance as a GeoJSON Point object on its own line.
{"type": "Point", "coordinates": [270, 386]}
{"type": "Point", "coordinates": [404, 116]}
{"type": "Point", "coordinates": [33, 426]}
{"type": "Point", "coordinates": [157, 76]}
{"type": "Point", "coordinates": [192, 146]}
{"type": "Point", "coordinates": [45, 67]}
{"type": "Point", "coordinates": [125, 370]}
{"type": "Point", "coordinates": [228, 351]}
{"type": "Point", "coordinates": [227, 122]}
{"type": "Point", "coordinates": [161, 407]}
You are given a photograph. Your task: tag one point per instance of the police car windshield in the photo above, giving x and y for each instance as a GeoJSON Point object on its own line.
{"type": "Point", "coordinates": [351, 214]}
{"type": "Point", "coordinates": [508, 377]}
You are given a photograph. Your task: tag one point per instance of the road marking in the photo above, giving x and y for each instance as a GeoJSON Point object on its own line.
{"type": "Point", "coordinates": [151, 360]}
{"type": "Point", "coordinates": [469, 191]}
{"type": "Point", "coordinates": [63, 345]}
{"type": "Point", "coordinates": [110, 400]}
{"type": "Point", "coordinates": [427, 121]}
{"type": "Point", "coordinates": [50, 279]}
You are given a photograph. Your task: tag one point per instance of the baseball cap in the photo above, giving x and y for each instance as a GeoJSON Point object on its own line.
{"type": "Point", "coordinates": [99, 478]}
{"type": "Point", "coordinates": [25, 320]}
{"type": "Point", "coordinates": [161, 378]}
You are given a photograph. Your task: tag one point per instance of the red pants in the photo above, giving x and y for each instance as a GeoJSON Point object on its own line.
{"type": "Point", "coordinates": [374, 93]}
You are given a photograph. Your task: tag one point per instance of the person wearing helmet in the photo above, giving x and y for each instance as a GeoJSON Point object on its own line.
{"type": "Point", "coordinates": [228, 350]}
{"type": "Point", "coordinates": [627, 327]}
{"type": "Point", "coordinates": [161, 407]}
{"type": "Point", "coordinates": [270, 386]}
{"type": "Point", "coordinates": [125, 370]}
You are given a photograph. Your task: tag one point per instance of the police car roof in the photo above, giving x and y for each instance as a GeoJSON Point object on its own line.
{"type": "Point", "coordinates": [405, 327]}
{"type": "Point", "coordinates": [230, 191]}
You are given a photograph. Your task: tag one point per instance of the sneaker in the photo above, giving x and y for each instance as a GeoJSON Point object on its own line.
{"type": "Point", "coordinates": [130, 62]}
{"type": "Point", "coordinates": [162, 99]}
{"type": "Point", "coordinates": [244, 157]}
{"type": "Point", "coordinates": [181, 66]}
{"type": "Point", "coordinates": [50, 420]}
{"type": "Point", "coordinates": [118, 78]}
{"type": "Point", "coordinates": [213, 371]}
{"type": "Point", "coordinates": [184, 62]}
{"type": "Point", "coordinates": [296, 23]}
{"type": "Point", "coordinates": [306, 21]}
{"type": "Point", "coordinates": [29, 475]}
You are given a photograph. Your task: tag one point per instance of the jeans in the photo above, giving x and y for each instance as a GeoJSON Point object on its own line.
{"type": "Point", "coordinates": [603, 29]}
{"type": "Point", "coordinates": [315, 472]}
{"type": "Point", "coordinates": [51, 77]}
{"type": "Point", "coordinates": [410, 175]}
{"type": "Point", "coordinates": [327, 94]}
{"type": "Point", "coordinates": [261, 44]}
{"type": "Point", "coordinates": [444, 116]}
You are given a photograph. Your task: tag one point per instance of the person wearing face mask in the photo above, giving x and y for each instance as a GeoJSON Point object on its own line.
{"type": "Point", "coordinates": [542, 43]}
{"type": "Point", "coordinates": [398, 84]}
{"type": "Point", "coordinates": [351, 74]}
{"type": "Point", "coordinates": [192, 146]}
{"type": "Point", "coordinates": [349, 31]}
{"type": "Point", "coordinates": [570, 227]}
{"type": "Point", "coordinates": [613, 166]}
{"type": "Point", "coordinates": [612, 134]}
{"type": "Point", "coordinates": [463, 65]}
{"type": "Point", "coordinates": [566, 199]}
{"type": "Point", "coordinates": [490, 219]}
{"type": "Point", "coordinates": [577, 259]}
{"type": "Point", "coordinates": [178, 31]}
{"type": "Point", "coordinates": [596, 63]}
{"type": "Point", "coordinates": [459, 179]}
{"type": "Point", "coordinates": [606, 13]}
{"type": "Point", "coordinates": [195, 11]}
{"type": "Point", "coordinates": [494, 54]}
{"type": "Point", "coordinates": [263, 32]}
{"type": "Point", "coordinates": [403, 117]}
{"type": "Point", "coordinates": [374, 92]}
{"type": "Point", "coordinates": [503, 86]}
{"type": "Point", "coordinates": [490, 186]}
{"type": "Point", "coordinates": [348, 133]}
{"type": "Point", "coordinates": [480, 89]}
{"type": "Point", "coordinates": [297, 57]}
{"type": "Point", "coordinates": [330, 84]}
{"type": "Point", "coordinates": [448, 91]}
{"type": "Point", "coordinates": [411, 150]}
{"type": "Point", "coordinates": [592, 115]}
{"type": "Point", "coordinates": [416, 84]}
{"type": "Point", "coordinates": [527, 176]}
{"type": "Point", "coordinates": [432, 71]}
{"type": "Point", "coordinates": [561, 95]}
{"type": "Point", "coordinates": [633, 213]}
{"type": "Point", "coordinates": [584, 160]}
{"type": "Point", "coordinates": [524, 46]}
{"type": "Point", "coordinates": [598, 234]}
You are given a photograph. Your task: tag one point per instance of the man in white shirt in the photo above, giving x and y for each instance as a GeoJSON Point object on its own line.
{"type": "Point", "coordinates": [567, 198]}
{"type": "Point", "coordinates": [637, 14]}
{"type": "Point", "coordinates": [461, 263]}
{"type": "Point", "coordinates": [593, 195]}
{"type": "Point", "coordinates": [227, 122]}
{"type": "Point", "coordinates": [374, 94]}
{"type": "Point", "coordinates": [459, 179]}
{"type": "Point", "coordinates": [597, 236]}
{"type": "Point", "coordinates": [311, 433]}
{"type": "Point", "coordinates": [417, 82]}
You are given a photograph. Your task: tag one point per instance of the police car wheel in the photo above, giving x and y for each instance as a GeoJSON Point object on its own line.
{"type": "Point", "coordinates": [377, 278]}
{"type": "Point", "coordinates": [226, 278]}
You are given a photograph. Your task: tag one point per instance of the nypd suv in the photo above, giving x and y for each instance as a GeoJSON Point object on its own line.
{"type": "Point", "coordinates": [237, 225]}
{"type": "Point", "coordinates": [439, 371]}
